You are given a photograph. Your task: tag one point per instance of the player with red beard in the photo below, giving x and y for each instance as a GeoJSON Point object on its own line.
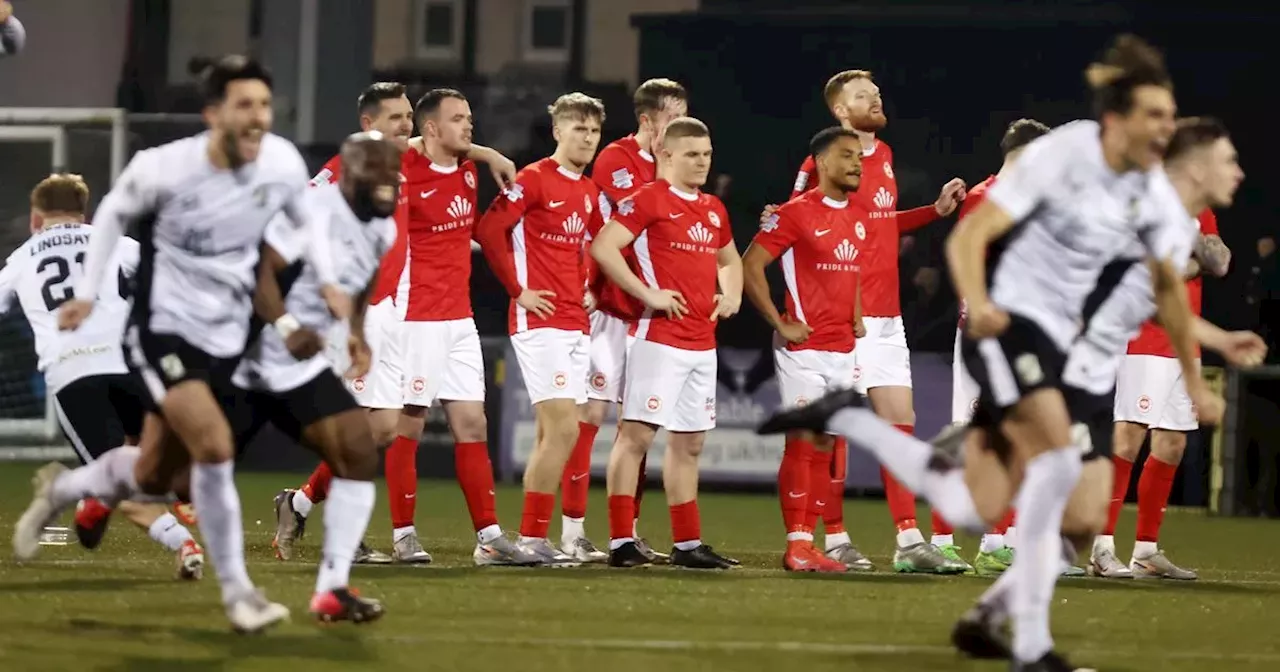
{"type": "Point", "coordinates": [382, 107]}
{"type": "Point", "coordinates": [882, 359]}
{"type": "Point", "coordinates": [623, 166]}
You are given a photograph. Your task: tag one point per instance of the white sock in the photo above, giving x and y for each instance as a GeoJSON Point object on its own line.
{"type": "Point", "coordinates": [635, 528]}
{"type": "Point", "coordinates": [908, 458]}
{"type": "Point", "coordinates": [572, 528]}
{"type": "Point", "coordinates": [108, 479]}
{"type": "Point", "coordinates": [615, 544]}
{"type": "Point", "coordinates": [168, 532]}
{"type": "Point", "coordinates": [1143, 549]}
{"type": "Point", "coordinates": [1104, 542]}
{"type": "Point", "coordinates": [402, 532]}
{"type": "Point", "coordinates": [214, 496]}
{"type": "Point", "coordinates": [799, 536]}
{"type": "Point", "coordinates": [345, 520]}
{"type": "Point", "coordinates": [909, 537]}
{"type": "Point", "coordinates": [688, 545]}
{"type": "Point", "coordinates": [941, 540]}
{"type": "Point", "coordinates": [1011, 537]}
{"type": "Point", "coordinates": [488, 534]}
{"type": "Point", "coordinates": [836, 540]}
{"type": "Point", "coordinates": [301, 503]}
{"type": "Point", "coordinates": [1046, 487]}
{"type": "Point", "coordinates": [991, 543]}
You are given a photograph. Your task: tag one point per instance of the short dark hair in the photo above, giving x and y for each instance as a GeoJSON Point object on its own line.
{"type": "Point", "coordinates": [831, 92]}
{"type": "Point", "coordinates": [1192, 133]}
{"type": "Point", "coordinates": [371, 98]}
{"type": "Point", "coordinates": [651, 95]}
{"type": "Point", "coordinates": [61, 192]}
{"type": "Point", "coordinates": [219, 74]}
{"type": "Point", "coordinates": [827, 137]}
{"type": "Point", "coordinates": [431, 100]}
{"type": "Point", "coordinates": [1129, 63]}
{"type": "Point", "coordinates": [1020, 134]}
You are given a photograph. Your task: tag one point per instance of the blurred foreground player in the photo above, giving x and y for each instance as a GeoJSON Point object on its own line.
{"type": "Point", "coordinates": [98, 404]}
{"type": "Point", "coordinates": [692, 277]}
{"type": "Point", "coordinates": [816, 234]}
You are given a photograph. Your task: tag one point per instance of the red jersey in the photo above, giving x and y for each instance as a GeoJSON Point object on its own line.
{"type": "Point", "coordinates": [1152, 339]}
{"type": "Point", "coordinates": [975, 196]}
{"type": "Point", "coordinates": [878, 195]}
{"type": "Point", "coordinates": [677, 238]}
{"type": "Point", "coordinates": [817, 239]}
{"type": "Point", "coordinates": [533, 237]}
{"type": "Point", "coordinates": [442, 203]}
{"type": "Point", "coordinates": [391, 270]}
{"type": "Point", "coordinates": [621, 168]}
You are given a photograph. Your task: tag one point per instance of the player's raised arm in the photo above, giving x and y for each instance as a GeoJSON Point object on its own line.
{"type": "Point", "coordinates": [503, 169]}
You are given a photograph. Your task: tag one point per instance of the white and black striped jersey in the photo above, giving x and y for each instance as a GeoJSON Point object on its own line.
{"type": "Point", "coordinates": [1074, 215]}
{"type": "Point", "coordinates": [200, 232]}
{"type": "Point", "coordinates": [41, 274]}
{"type": "Point", "coordinates": [267, 365]}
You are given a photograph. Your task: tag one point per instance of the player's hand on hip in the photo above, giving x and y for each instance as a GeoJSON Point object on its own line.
{"type": "Point", "coordinates": [859, 328]}
{"type": "Point", "coordinates": [73, 313]}
{"type": "Point", "coordinates": [538, 302]}
{"type": "Point", "coordinates": [952, 193]}
{"type": "Point", "coordinates": [1243, 349]}
{"type": "Point", "coordinates": [986, 321]}
{"type": "Point", "coordinates": [794, 332]}
{"type": "Point", "coordinates": [360, 356]}
{"type": "Point", "coordinates": [667, 301]}
{"type": "Point", "coordinates": [589, 301]}
{"type": "Point", "coordinates": [304, 344]}
{"type": "Point", "coordinates": [725, 307]}
{"type": "Point", "coordinates": [504, 171]}
{"type": "Point", "coordinates": [1209, 405]}
{"type": "Point", "coordinates": [338, 301]}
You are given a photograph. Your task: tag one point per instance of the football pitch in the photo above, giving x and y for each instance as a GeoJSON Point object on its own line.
{"type": "Point", "coordinates": [119, 608]}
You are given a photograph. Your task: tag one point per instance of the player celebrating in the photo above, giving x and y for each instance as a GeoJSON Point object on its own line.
{"type": "Point", "coordinates": [382, 107]}
{"type": "Point", "coordinates": [623, 166]}
{"type": "Point", "coordinates": [99, 406]}
{"type": "Point", "coordinates": [532, 236]}
{"type": "Point", "coordinates": [816, 234]}
{"type": "Point", "coordinates": [684, 247]}
{"type": "Point", "coordinates": [882, 359]}
{"type": "Point", "coordinates": [1150, 394]}
{"type": "Point", "coordinates": [206, 201]}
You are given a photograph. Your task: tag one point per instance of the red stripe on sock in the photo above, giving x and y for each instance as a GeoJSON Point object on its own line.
{"type": "Point", "coordinates": [576, 482]}
{"type": "Point", "coordinates": [833, 511]}
{"type": "Point", "coordinates": [1119, 489]}
{"type": "Point", "coordinates": [402, 480]}
{"type": "Point", "coordinates": [317, 486]}
{"type": "Point", "coordinates": [1006, 522]}
{"type": "Point", "coordinates": [475, 477]}
{"type": "Point", "coordinates": [902, 502]}
{"type": "Point", "coordinates": [1154, 486]}
{"type": "Point", "coordinates": [538, 507]}
{"type": "Point", "coordinates": [793, 483]}
{"type": "Point", "coordinates": [941, 526]}
{"type": "Point", "coordinates": [622, 516]}
{"type": "Point", "coordinates": [819, 492]}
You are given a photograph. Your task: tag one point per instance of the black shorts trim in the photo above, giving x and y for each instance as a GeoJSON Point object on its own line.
{"type": "Point", "coordinates": [293, 411]}
{"type": "Point", "coordinates": [1021, 360]}
{"type": "Point", "coordinates": [97, 413]}
{"type": "Point", "coordinates": [1096, 412]}
{"type": "Point", "coordinates": [162, 361]}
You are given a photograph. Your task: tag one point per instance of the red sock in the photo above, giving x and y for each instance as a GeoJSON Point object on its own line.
{"type": "Point", "coordinates": [686, 525]}
{"type": "Point", "coordinates": [941, 526]}
{"type": "Point", "coordinates": [475, 475]}
{"type": "Point", "coordinates": [538, 507]}
{"type": "Point", "coordinates": [793, 483]}
{"type": "Point", "coordinates": [577, 473]}
{"type": "Point", "coordinates": [1154, 486]}
{"type": "Point", "coordinates": [317, 487]}
{"type": "Point", "coordinates": [402, 480]}
{"type": "Point", "coordinates": [622, 516]}
{"type": "Point", "coordinates": [1005, 523]}
{"type": "Point", "coordinates": [819, 473]}
{"type": "Point", "coordinates": [833, 510]}
{"type": "Point", "coordinates": [1119, 488]}
{"type": "Point", "coordinates": [644, 464]}
{"type": "Point", "coordinates": [902, 502]}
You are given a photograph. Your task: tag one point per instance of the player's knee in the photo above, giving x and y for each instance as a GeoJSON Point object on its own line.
{"type": "Point", "coordinates": [593, 412]}
{"type": "Point", "coordinates": [1168, 446]}
{"type": "Point", "coordinates": [686, 446]}
{"type": "Point", "coordinates": [470, 425]}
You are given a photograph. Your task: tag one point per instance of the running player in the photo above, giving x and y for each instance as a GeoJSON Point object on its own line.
{"type": "Point", "coordinates": [99, 406]}
{"type": "Point", "coordinates": [1080, 196]}
{"type": "Point", "coordinates": [533, 237]}
{"type": "Point", "coordinates": [817, 236]}
{"type": "Point", "coordinates": [882, 359]}
{"type": "Point", "coordinates": [623, 166]}
{"type": "Point", "coordinates": [692, 273]}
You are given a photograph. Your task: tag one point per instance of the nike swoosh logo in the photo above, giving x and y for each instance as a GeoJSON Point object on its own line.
{"type": "Point", "coordinates": [543, 520]}
{"type": "Point", "coordinates": [577, 477]}
{"type": "Point", "coordinates": [820, 503]}
{"type": "Point", "coordinates": [796, 495]}
{"type": "Point", "coordinates": [801, 563]}
{"type": "Point", "coordinates": [491, 492]}
{"type": "Point", "coordinates": [819, 234]}
{"type": "Point", "coordinates": [555, 204]}
{"type": "Point", "coordinates": [427, 194]}
{"type": "Point", "coordinates": [410, 496]}
{"type": "Point", "coordinates": [676, 215]}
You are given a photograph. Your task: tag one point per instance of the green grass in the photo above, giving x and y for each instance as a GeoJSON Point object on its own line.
{"type": "Point", "coordinates": [119, 609]}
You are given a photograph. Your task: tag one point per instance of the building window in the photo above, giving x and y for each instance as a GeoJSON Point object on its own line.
{"type": "Point", "coordinates": [548, 30]}
{"type": "Point", "coordinates": [437, 28]}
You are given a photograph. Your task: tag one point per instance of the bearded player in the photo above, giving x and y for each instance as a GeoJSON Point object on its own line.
{"type": "Point", "coordinates": [883, 363]}
{"type": "Point", "coordinates": [623, 166]}
{"type": "Point", "coordinates": [816, 236]}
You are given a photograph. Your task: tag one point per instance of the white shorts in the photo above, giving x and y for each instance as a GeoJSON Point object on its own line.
{"type": "Point", "coordinates": [442, 362]}
{"type": "Point", "coordinates": [670, 387]}
{"type": "Point", "coordinates": [881, 358]}
{"type": "Point", "coordinates": [608, 365]}
{"type": "Point", "coordinates": [554, 363]}
{"type": "Point", "coordinates": [382, 386]}
{"type": "Point", "coordinates": [1150, 391]}
{"type": "Point", "coordinates": [805, 375]}
{"type": "Point", "coordinates": [964, 389]}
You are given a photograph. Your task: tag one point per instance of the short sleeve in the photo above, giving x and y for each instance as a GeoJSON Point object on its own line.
{"type": "Point", "coordinates": [1032, 177]}
{"type": "Point", "coordinates": [777, 233]}
{"type": "Point", "coordinates": [1208, 223]}
{"type": "Point", "coordinates": [600, 214]}
{"type": "Point", "coordinates": [519, 197]}
{"type": "Point", "coordinates": [803, 177]}
{"type": "Point", "coordinates": [724, 227]}
{"type": "Point", "coordinates": [329, 173]}
{"type": "Point", "coordinates": [616, 179]}
{"type": "Point", "coordinates": [635, 212]}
